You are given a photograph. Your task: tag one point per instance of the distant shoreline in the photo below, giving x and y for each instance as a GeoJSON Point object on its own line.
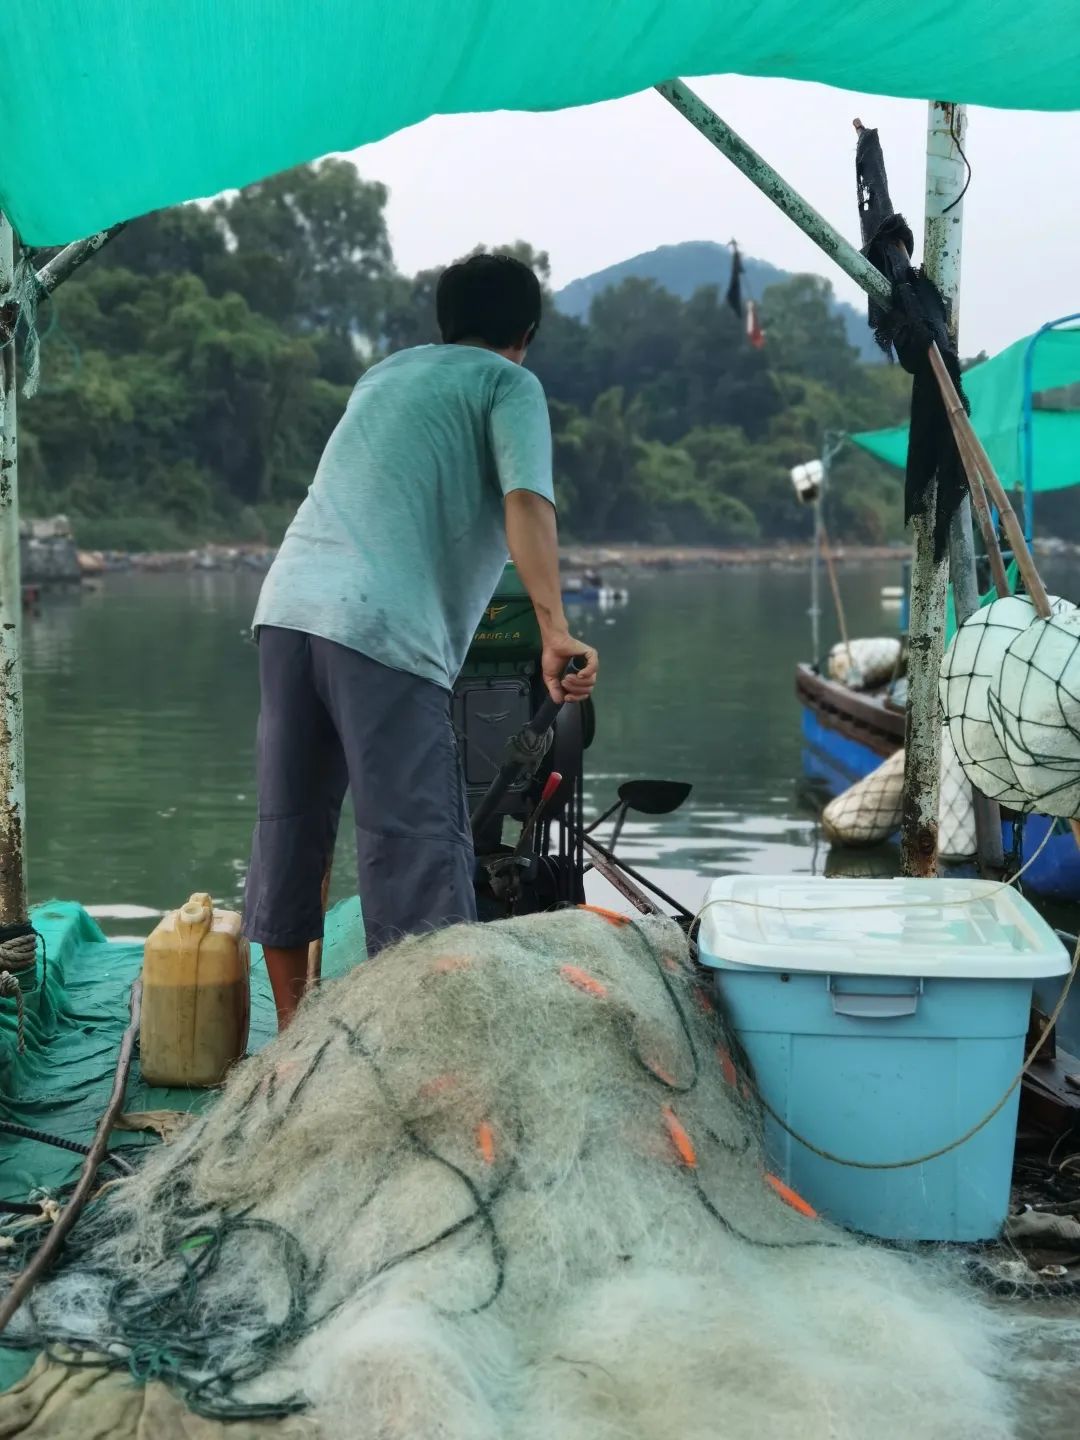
{"type": "Point", "coordinates": [608, 560]}
{"type": "Point", "coordinates": [715, 557]}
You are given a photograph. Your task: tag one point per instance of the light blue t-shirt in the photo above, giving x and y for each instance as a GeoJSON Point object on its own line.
{"type": "Point", "coordinates": [401, 540]}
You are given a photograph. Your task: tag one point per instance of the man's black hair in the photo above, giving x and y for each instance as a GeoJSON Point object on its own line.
{"type": "Point", "coordinates": [493, 298]}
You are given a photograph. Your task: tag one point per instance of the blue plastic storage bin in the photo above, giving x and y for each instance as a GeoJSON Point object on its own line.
{"type": "Point", "coordinates": [882, 1019]}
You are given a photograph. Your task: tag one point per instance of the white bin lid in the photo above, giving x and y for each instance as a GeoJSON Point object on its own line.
{"type": "Point", "coordinates": [968, 929]}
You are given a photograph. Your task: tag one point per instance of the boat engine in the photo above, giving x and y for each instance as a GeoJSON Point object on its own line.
{"type": "Point", "coordinates": [528, 838]}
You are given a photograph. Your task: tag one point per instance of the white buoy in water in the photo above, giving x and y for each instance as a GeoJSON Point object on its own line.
{"type": "Point", "coordinates": [1035, 711]}
{"type": "Point", "coordinates": [971, 663]}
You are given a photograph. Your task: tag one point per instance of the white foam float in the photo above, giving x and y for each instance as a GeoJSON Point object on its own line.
{"type": "Point", "coordinates": [971, 663]}
{"type": "Point", "coordinates": [1034, 705]}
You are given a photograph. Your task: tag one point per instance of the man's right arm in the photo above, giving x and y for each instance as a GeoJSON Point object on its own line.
{"type": "Point", "coordinates": [533, 540]}
{"type": "Point", "coordinates": [520, 434]}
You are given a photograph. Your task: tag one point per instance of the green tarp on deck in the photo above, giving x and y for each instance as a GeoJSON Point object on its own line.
{"type": "Point", "coordinates": [110, 108]}
{"type": "Point", "coordinates": [73, 1027]}
{"type": "Point", "coordinates": [996, 392]}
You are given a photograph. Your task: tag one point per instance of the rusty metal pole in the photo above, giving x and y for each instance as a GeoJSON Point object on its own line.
{"type": "Point", "coordinates": [12, 783]}
{"type": "Point", "coordinates": [67, 261]}
{"type": "Point", "coordinates": [926, 629]}
{"type": "Point", "coordinates": [760, 173]}
{"type": "Point", "coordinates": [946, 178]}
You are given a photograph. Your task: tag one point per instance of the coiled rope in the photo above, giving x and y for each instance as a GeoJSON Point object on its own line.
{"type": "Point", "coordinates": [18, 955]}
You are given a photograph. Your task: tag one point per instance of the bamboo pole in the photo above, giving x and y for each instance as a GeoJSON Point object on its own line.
{"type": "Point", "coordinates": [981, 506]}
{"type": "Point", "coordinates": [974, 455]}
{"type": "Point", "coordinates": [976, 460]}
{"type": "Point", "coordinates": [834, 585]}
{"type": "Point", "coordinates": [12, 773]}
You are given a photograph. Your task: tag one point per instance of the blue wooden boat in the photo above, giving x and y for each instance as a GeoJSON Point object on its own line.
{"type": "Point", "coordinates": [846, 734]}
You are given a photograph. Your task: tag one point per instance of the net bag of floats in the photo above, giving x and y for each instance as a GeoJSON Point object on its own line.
{"type": "Point", "coordinates": [1010, 696]}
{"type": "Point", "coordinates": [506, 1183]}
{"type": "Point", "coordinates": [870, 811]}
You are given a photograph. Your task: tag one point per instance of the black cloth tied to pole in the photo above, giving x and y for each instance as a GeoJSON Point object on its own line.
{"type": "Point", "coordinates": [916, 319]}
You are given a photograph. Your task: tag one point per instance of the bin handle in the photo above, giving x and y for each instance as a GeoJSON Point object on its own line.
{"type": "Point", "coordinates": [861, 1005]}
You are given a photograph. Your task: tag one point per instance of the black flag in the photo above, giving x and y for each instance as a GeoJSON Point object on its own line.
{"type": "Point", "coordinates": [916, 319]}
{"type": "Point", "coordinates": [734, 289]}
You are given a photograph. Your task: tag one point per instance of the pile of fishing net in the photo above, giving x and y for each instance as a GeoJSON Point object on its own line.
{"type": "Point", "coordinates": [505, 1183]}
{"type": "Point", "coordinates": [1010, 695]}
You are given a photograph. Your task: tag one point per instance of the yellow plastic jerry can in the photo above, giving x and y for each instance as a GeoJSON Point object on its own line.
{"type": "Point", "coordinates": [196, 996]}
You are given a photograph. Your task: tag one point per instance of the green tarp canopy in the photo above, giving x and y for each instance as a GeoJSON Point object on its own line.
{"type": "Point", "coordinates": [996, 391]}
{"type": "Point", "coordinates": [111, 108]}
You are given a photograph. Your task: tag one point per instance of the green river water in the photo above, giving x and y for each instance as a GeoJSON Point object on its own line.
{"type": "Point", "coordinates": [141, 702]}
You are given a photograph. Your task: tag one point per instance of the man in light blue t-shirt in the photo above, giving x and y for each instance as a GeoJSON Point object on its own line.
{"type": "Point", "coordinates": [439, 466]}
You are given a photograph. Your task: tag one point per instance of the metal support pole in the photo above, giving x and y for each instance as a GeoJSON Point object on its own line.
{"type": "Point", "coordinates": [946, 175]}
{"type": "Point", "coordinates": [53, 274]}
{"type": "Point", "coordinates": [67, 261]}
{"type": "Point", "coordinates": [1027, 430]}
{"type": "Point", "coordinates": [942, 251]}
{"type": "Point", "coordinates": [12, 784]}
{"type": "Point", "coordinates": [926, 638]}
{"type": "Point", "coordinates": [776, 188]}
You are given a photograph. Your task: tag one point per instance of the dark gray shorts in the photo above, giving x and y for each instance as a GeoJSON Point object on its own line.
{"type": "Point", "coordinates": [331, 719]}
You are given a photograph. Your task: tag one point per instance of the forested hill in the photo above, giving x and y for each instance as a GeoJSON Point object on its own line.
{"type": "Point", "coordinates": [192, 372]}
{"type": "Point", "coordinates": [684, 268]}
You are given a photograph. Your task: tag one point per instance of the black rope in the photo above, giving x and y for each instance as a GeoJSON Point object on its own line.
{"type": "Point", "coordinates": [22, 931]}
{"type": "Point", "coordinates": [915, 319]}
{"type": "Point", "coordinates": [967, 165]}
{"type": "Point", "coordinates": [25, 1132]}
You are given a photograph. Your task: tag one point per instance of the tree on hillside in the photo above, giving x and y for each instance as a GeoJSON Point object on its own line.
{"type": "Point", "coordinates": [323, 229]}
{"type": "Point", "coordinates": [804, 335]}
{"type": "Point", "coordinates": [193, 372]}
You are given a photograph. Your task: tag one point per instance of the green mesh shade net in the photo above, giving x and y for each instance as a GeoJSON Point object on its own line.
{"type": "Point", "coordinates": [996, 392]}
{"type": "Point", "coordinates": [115, 108]}
{"type": "Point", "coordinates": [1012, 574]}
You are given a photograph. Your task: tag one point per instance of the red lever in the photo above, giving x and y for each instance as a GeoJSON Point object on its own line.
{"type": "Point", "coordinates": [551, 784]}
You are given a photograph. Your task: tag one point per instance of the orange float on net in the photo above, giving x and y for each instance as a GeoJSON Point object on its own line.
{"type": "Point", "coordinates": [447, 964]}
{"type": "Point", "coordinates": [438, 1086]}
{"type": "Point", "coordinates": [660, 1073]}
{"type": "Point", "coordinates": [684, 1146]}
{"type": "Point", "coordinates": [727, 1066]}
{"type": "Point", "coordinates": [485, 1142]}
{"type": "Point", "coordinates": [611, 916]}
{"type": "Point", "coordinates": [792, 1197]}
{"type": "Point", "coordinates": [583, 981]}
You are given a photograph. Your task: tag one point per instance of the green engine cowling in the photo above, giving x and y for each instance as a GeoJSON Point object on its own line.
{"type": "Point", "coordinates": [498, 690]}
{"type": "Point", "coordinates": [509, 632]}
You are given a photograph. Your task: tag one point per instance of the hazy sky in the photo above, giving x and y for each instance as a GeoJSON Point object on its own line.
{"type": "Point", "coordinates": [596, 185]}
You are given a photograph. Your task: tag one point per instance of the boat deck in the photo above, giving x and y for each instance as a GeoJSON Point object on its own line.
{"type": "Point", "coordinates": [73, 1027]}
